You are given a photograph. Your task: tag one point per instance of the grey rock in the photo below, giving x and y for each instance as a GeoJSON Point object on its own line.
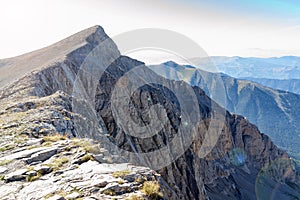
{"type": "Point", "coordinates": [22, 154]}
{"type": "Point", "coordinates": [43, 169]}
{"type": "Point", "coordinates": [117, 188]}
{"type": "Point", "coordinates": [3, 169]}
{"type": "Point", "coordinates": [34, 142]}
{"type": "Point", "coordinates": [9, 192]}
{"type": "Point", "coordinates": [73, 196]}
{"type": "Point", "coordinates": [31, 173]}
{"type": "Point", "coordinates": [56, 197]}
{"type": "Point", "coordinates": [42, 155]}
{"type": "Point", "coordinates": [17, 175]}
{"type": "Point", "coordinates": [38, 189]}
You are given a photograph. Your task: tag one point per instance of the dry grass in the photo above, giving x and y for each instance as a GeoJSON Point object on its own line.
{"type": "Point", "coordinates": [6, 148]}
{"type": "Point", "coordinates": [152, 190]}
{"type": "Point", "coordinates": [121, 174]}
{"type": "Point", "coordinates": [59, 192]}
{"type": "Point", "coordinates": [87, 146]}
{"type": "Point", "coordinates": [34, 178]}
{"type": "Point", "coordinates": [109, 192]}
{"type": "Point", "coordinates": [32, 147]}
{"type": "Point", "coordinates": [134, 197]}
{"type": "Point", "coordinates": [121, 181]}
{"type": "Point", "coordinates": [5, 162]}
{"type": "Point", "coordinates": [58, 163]}
{"type": "Point", "coordinates": [54, 138]}
{"type": "Point", "coordinates": [86, 158]}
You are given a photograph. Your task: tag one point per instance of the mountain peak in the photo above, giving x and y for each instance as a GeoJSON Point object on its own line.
{"type": "Point", "coordinates": [16, 67]}
{"type": "Point", "coordinates": [170, 63]}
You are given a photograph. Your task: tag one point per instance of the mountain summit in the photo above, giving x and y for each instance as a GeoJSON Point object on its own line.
{"type": "Point", "coordinates": [79, 89]}
{"type": "Point", "coordinates": [14, 68]}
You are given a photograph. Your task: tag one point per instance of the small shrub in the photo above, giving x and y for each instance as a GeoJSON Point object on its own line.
{"type": "Point", "coordinates": [152, 190]}
{"type": "Point", "coordinates": [121, 181]}
{"type": "Point", "coordinates": [67, 149]}
{"type": "Point", "coordinates": [2, 177]}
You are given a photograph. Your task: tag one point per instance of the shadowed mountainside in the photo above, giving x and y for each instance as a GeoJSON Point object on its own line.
{"type": "Point", "coordinates": [274, 112]}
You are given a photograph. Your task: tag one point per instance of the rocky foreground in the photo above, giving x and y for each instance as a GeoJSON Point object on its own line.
{"type": "Point", "coordinates": [57, 168]}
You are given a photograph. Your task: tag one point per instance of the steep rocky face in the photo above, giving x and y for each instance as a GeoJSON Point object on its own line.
{"type": "Point", "coordinates": [243, 164]}
{"type": "Point", "coordinates": [222, 172]}
{"type": "Point", "coordinates": [274, 112]}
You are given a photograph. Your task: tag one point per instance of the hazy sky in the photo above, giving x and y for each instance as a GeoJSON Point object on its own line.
{"type": "Point", "coordinates": [233, 27]}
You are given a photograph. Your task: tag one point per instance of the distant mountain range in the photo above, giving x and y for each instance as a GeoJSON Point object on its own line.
{"type": "Point", "coordinates": [287, 67]}
{"type": "Point", "coordinates": [291, 85]}
{"type": "Point", "coordinates": [275, 112]}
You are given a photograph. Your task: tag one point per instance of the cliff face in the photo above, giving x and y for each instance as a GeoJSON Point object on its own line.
{"type": "Point", "coordinates": [215, 155]}
{"type": "Point", "coordinates": [274, 112]}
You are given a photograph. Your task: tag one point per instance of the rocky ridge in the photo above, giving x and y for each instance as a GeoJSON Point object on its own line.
{"type": "Point", "coordinates": [241, 165]}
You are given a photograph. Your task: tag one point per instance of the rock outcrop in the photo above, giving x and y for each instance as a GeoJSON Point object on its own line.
{"type": "Point", "coordinates": [73, 169]}
{"type": "Point", "coordinates": [227, 158]}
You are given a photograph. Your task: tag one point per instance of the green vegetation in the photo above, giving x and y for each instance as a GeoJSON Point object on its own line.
{"type": "Point", "coordinates": [152, 190]}
{"type": "Point", "coordinates": [33, 178]}
{"type": "Point", "coordinates": [121, 174]}
{"type": "Point", "coordinates": [67, 149]}
{"type": "Point", "coordinates": [59, 192]}
{"type": "Point", "coordinates": [6, 148]}
{"type": "Point", "coordinates": [121, 181]}
{"type": "Point", "coordinates": [5, 162]}
{"type": "Point", "coordinates": [2, 177]}
{"type": "Point", "coordinates": [32, 147]}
